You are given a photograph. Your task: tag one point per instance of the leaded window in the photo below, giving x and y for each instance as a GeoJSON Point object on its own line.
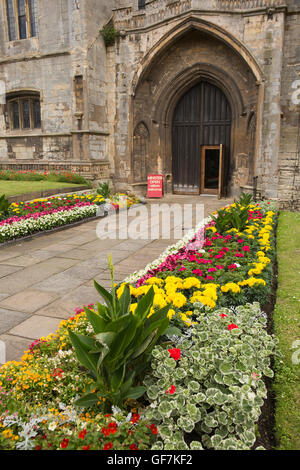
{"type": "Point", "coordinates": [24, 112]}
{"type": "Point", "coordinates": [21, 19]}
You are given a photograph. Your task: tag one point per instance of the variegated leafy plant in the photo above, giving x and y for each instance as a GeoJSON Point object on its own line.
{"type": "Point", "coordinates": [212, 391]}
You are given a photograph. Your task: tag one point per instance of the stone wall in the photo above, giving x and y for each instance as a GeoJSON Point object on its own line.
{"type": "Point", "coordinates": [65, 63]}
{"type": "Point", "coordinates": [93, 97]}
{"type": "Point", "coordinates": [252, 29]}
{"type": "Point", "coordinates": [289, 152]}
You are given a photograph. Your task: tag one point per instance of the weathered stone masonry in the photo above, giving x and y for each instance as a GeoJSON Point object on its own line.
{"type": "Point", "coordinates": [108, 110]}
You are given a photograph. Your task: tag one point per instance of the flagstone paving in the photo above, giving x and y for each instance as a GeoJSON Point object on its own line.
{"type": "Point", "coordinates": [44, 279]}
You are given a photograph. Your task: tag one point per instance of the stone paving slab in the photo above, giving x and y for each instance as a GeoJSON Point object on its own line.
{"type": "Point", "coordinates": [28, 301]}
{"type": "Point", "coordinates": [58, 283]}
{"type": "Point", "coordinates": [27, 277]}
{"type": "Point", "coordinates": [23, 261]}
{"type": "Point", "coordinates": [10, 318]}
{"type": "Point", "coordinates": [15, 346]}
{"type": "Point", "coordinates": [7, 269]}
{"type": "Point", "coordinates": [35, 327]}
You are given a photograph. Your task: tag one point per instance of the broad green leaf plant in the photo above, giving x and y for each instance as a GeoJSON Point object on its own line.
{"type": "Point", "coordinates": [120, 348]}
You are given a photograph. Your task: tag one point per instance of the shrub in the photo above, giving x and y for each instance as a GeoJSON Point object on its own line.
{"type": "Point", "coordinates": [109, 34]}
{"type": "Point", "coordinates": [236, 217]}
{"type": "Point", "coordinates": [104, 190]}
{"type": "Point", "coordinates": [215, 389]}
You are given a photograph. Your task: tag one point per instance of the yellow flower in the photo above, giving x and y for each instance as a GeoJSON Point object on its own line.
{"type": "Point", "coordinates": [231, 286]}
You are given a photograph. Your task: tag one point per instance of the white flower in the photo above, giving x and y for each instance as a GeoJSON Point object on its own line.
{"type": "Point", "coordinates": [52, 426]}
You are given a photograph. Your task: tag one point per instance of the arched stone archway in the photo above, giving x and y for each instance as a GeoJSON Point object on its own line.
{"type": "Point", "coordinates": [195, 56]}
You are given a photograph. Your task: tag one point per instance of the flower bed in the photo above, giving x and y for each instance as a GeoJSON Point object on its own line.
{"type": "Point", "coordinates": [204, 382]}
{"type": "Point", "coordinates": [31, 175]}
{"type": "Point", "coordinates": [45, 214]}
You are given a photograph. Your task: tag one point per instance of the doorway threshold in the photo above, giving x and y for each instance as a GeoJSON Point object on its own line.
{"type": "Point", "coordinates": [209, 195]}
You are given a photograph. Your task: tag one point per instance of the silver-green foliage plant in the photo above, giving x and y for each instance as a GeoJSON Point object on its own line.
{"type": "Point", "coordinates": [218, 382]}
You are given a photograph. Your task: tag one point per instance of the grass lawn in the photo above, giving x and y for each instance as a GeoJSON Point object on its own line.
{"type": "Point", "coordinates": [287, 329]}
{"type": "Point", "coordinates": [14, 188]}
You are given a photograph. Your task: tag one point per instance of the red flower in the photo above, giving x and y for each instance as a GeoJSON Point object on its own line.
{"type": "Point", "coordinates": [112, 427]}
{"type": "Point", "coordinates": [223, 315]}
{"type": "Point", "coordinates": [246, 249]}
{"type": "Point", "coordinates": [57, 373]}
{"type": "Point", "coordinates": [232, 266]}
{"type": "Point", "coordinates": [135, 418]}
{"type": "Point", "coordinates": [133, 447]}
{"type": "Point", "coordinates": [108, 446]}
{"type": "Point", "coordinates": [38, 448]}
{"type": "Point", "coordinates": [82, 434]}
{"type": "Point", "coordinates": [232, 326]}
{"type": "Point", "coordinates": [153, 429]}
{"type": "Point", "coordinates": [175, 354]}
{"type": "Point", "coordinates": [106, 432]}
{"type": "Point", "coordinates": [86, 447]}
{"type": "Point", "coordinates": [64, 443]}
{"type": "Point", "coordinates": [171, 391]}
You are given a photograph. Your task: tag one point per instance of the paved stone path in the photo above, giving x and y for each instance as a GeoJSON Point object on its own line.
{"type": "Point", "coordinates": [43, 280]}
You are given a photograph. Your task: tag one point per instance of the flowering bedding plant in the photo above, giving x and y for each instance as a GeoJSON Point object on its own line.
{"type": "Point", "coordinates": [230, 269]}
{"type": "Point", "coordinates": [25, 218]}
{"type": "Point", "coordinates": [205, 382]}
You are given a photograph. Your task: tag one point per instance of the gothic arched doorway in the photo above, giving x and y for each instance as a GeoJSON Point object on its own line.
{"type": "Point", "coordinates": [201, 135]}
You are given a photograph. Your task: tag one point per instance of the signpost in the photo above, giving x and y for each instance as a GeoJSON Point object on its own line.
{"type": "Point", "coordinates": [155, 186]}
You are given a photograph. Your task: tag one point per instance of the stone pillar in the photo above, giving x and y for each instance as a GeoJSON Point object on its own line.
{"type": "Point", "coordinates": [267, 166]}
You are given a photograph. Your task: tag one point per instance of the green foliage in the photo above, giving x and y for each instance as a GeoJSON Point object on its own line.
{"type": "Point", "coordinates": [109, 34]}
{"type": "Point", "coordinates": [245, 199]}
{"type": "Point", "coordinates": [104, 190]}
{"type": "Point", "coordinates": [219, 387]}
{"type": "Point", "coordinates": [287, 328]}
{"type": "Point", "coordinates": [120, 348]}
{"type": "Point", "coordinates": [236, 217]}
{"type": "Point", "coordinates": [4, 207]}
{"type": "Point", "coordinates": [59, 177]}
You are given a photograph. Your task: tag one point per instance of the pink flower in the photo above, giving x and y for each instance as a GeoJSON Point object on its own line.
{"type": "Point", "coordinates": [246, 248]}
{"type": "Point", "coordinates": [198, 272]}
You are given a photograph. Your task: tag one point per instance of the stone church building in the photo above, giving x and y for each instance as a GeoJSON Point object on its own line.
{"type": "Point", "coordinates": [204, 92]}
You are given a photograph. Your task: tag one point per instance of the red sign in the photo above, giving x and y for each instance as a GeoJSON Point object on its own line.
{"type": "Point", "coordinates": [155, 186]}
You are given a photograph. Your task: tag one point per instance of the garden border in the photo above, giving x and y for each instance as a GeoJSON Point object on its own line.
{"type": "Point", "coordinates": [28, 238]}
